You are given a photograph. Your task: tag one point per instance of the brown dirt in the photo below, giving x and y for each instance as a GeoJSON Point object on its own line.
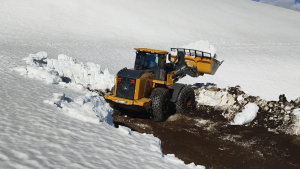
{"type": "Point", "coordinates": [205, 138]}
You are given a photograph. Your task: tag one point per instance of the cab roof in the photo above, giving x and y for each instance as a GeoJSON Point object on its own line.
{"type": "Point", "coordinates": [151, 50]}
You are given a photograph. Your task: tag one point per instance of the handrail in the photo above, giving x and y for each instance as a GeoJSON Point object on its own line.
{"type": "Point", "coordinates": [190, 51]}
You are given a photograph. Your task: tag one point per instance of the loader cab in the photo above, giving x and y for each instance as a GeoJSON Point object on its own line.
{"type": "Point", "coordinates": [151, 60]}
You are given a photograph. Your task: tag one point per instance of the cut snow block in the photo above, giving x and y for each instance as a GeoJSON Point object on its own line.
{"type": "Point", "coordinates": [247, 115]}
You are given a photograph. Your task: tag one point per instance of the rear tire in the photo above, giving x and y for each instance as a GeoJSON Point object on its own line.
{"type": "Point", "coordinates": [160, 98]}
{"type": "Point", "coordinates": [186, 100]}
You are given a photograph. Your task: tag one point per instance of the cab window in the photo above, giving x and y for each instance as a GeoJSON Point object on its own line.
{"type": "Point", "coordinates": [146, 60]}
{"type": "Point", "coordinates": [151, 60]}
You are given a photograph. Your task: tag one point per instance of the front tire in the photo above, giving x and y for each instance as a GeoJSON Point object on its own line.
{"type": "Point", "coordinates": [186, 100]}
{"type": "Point", "coordinates": [160, 98]}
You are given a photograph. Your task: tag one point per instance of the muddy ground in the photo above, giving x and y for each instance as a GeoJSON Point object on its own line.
{"type": "Point", "coordinates": [206, 138]}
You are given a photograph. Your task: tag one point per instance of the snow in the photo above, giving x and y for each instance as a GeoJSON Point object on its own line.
{"type": "Point", "coordinates": [85, 108]}
{"type": "Point", "coordinates": [260, 44]}
{"type": "Point", "coordinates": [296, 131]}
{"type": "Point", "coordinates": [201, 45]}
{"type": "Point", "coordinates": [36, 68]}
{"type": "Point", "coordinates": [88, 75]}
{"type": "Point", "coordinates": [247, 115]}
{"type": "Point", "coordinates": [215, 98]}
{"type": "Point", "coordinates": [80, 75]}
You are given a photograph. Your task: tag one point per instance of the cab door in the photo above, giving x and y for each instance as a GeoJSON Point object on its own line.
{"type": "Point", "coordinates": [160, 73]}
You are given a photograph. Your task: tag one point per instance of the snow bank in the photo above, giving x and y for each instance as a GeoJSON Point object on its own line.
{"type": "Point", "coordinates": [215, 98]}
{"type": "Point", "coordinates": [37, 68]}
{"type": "Point", "coordinates": [89, 108]}
{"type": "Point", "coordinates": [64, 70]}
{"type": "Point", "coordinates": [88, 75]}
{"type": "Point", "coordinates": [247, 115]}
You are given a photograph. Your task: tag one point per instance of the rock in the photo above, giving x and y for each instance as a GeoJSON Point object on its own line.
{"type": "Point", "coordinates": [266, 108]}
{"type": "Point", "coordinates": [287, 108]}
{"type": "Point", "coordinates": [271, 104]}
{"type": "Point", "coordinates": [297, 101]}
{"type": "Point", "coordinates": [282, 98]}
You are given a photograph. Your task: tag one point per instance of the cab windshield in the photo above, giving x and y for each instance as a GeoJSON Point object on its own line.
{"type": "Point", "coordinates": [146, 61]}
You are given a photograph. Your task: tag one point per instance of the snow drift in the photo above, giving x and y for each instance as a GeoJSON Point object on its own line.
{"type": "Point", "coordinates": [65, 70]}
{"type": "Point", "coordinates": [89, 108]}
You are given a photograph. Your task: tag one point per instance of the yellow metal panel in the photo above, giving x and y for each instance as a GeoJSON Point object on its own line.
{"type": "Point", "coordinates": [170, 80]}
{"type": "Point", "coordinates": [144, 86]}
{"type": "Point", "coordinates": [137, 89]}
{"type": "Point", "coordinates": [148, 84]}
{"type": "Point", "coordinates": [204, 65]}
{"type": "Point", "coordinates": [115, 87]}
{"type": "Point", "coordinates": [151, 50]}
{"type": "Point", "coordinates": [141, 102]}
{"type": "Point", "coordinates": [159, 81]}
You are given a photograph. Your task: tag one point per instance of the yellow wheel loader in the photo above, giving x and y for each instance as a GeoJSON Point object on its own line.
{"type": "Point", "coordinates": [151, 85]}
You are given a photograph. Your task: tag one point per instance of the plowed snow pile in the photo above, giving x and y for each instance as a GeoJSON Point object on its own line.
{"type": "Point", "coordinates": [85, 108]}
{"type": "Point", "coordinates": [240, 108]}
{"type": "Point", "coordinates": [66, 70]}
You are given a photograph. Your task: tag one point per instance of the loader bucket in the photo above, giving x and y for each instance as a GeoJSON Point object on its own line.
{"type": "Point", "coordinates": [207, 65]}
{"type": "Point", "coordinates": [202, 61]}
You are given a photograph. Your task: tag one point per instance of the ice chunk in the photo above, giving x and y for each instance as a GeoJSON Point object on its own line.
{"type": "Point", "coordinates": [247, 115]}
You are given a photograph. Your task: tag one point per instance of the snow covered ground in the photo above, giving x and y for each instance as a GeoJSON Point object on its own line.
{"type": "Point", "coordinates": [260, 44]}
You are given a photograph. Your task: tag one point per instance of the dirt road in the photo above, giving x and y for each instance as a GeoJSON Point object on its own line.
{"type": "Point", "coordinates": [205, 138]}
